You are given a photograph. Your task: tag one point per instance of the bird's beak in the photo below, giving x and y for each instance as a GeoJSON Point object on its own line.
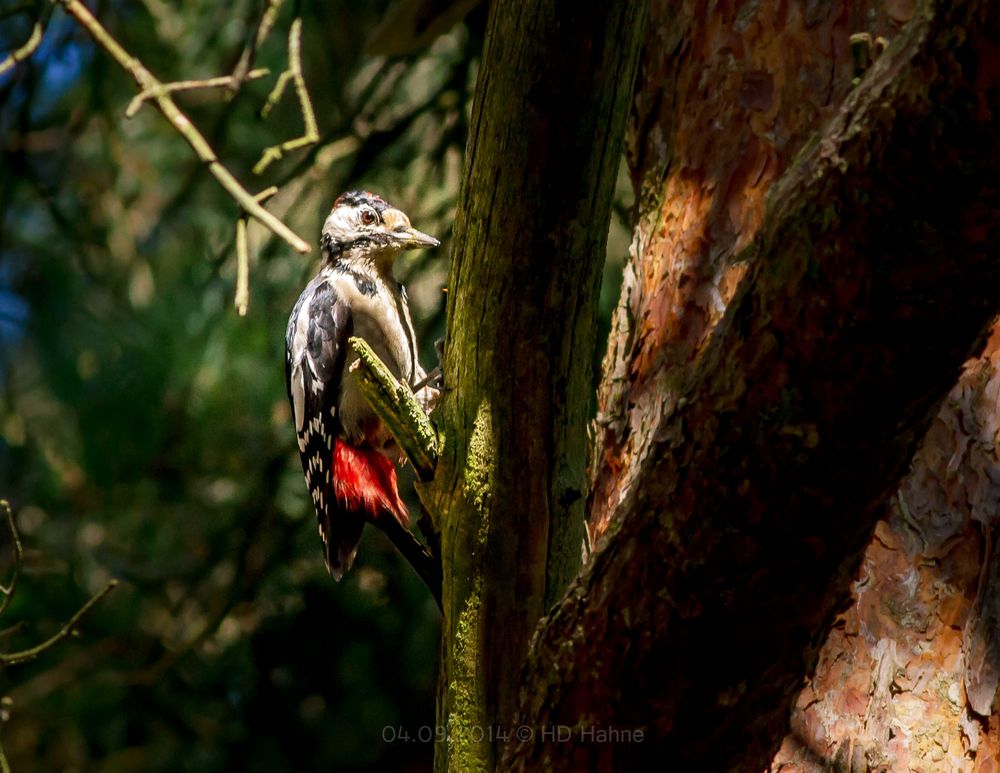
{"type": "Point", "coordinates": [412, 239]}
{"type": "Point", "coordinates": [405, 235]}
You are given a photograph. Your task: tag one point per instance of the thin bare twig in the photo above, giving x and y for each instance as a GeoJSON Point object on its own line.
{"type": "Point", "coordinates": [8, 590]}
{"type": "Point", "coordinates": [13, 658]}
{"type": "Point", "coordinates": [23, 52]}
{"type": "Point", "coordinates": [242, 299]}
{"type": "Point", "coordinates": [294, 74]}
{"type": "Point", "coordinates": [264, 25]}
{"type": "Point", "coordinates": [146, 81]}
{"type": "Point", "coordinates": [207, 83]}
{"type": "Point", "coordinates": [10, 630]}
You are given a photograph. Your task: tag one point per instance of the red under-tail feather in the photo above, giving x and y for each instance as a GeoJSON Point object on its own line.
{"type": "Point", "coordinates": [365, 480]}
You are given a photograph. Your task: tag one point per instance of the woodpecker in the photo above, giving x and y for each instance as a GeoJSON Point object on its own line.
{"type": "Point", "coordinates": [347, 453]}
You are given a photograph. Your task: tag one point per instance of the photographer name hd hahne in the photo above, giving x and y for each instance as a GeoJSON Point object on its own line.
{"type": "Point", "coordinates": [594, 734]}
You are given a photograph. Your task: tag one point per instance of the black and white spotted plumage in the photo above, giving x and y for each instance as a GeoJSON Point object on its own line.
{"type": "Point", "coordinates": [353, 294]}
{"type": "Point", "coordinates": [316, 349]}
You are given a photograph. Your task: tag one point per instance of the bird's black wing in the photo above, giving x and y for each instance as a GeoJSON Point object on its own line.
{"type": "Point", "coordinates": [316, 348]}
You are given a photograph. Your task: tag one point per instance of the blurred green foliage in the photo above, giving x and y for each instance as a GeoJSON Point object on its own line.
{"type": "Point", "coordinates": [144, 429]}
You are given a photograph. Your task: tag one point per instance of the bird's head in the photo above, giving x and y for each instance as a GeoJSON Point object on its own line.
{"type": "Point", "coordinates": [362, 226]}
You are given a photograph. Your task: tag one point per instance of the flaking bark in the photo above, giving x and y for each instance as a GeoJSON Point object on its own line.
{"type": "Point", "coordinates": [871, 281]}
{"type": "Point", "coordinates": [702, 161]}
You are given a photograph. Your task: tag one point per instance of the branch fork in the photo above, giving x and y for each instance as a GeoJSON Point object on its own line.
{"type": "Point", "coordinates": [158, 93]}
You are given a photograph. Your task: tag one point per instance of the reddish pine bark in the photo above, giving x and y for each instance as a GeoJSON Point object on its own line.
{"type": "Point", "coordinates": [759, 482]}
{"type": "Point", "coordinates": [907, 679]}
{"type": "Point", "coordinates": [727, 97]}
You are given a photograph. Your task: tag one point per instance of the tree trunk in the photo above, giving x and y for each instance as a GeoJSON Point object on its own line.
{"type": "Point", "coordinates": [508, 494]}
{"type": "Point", "coordinates": [757, 483]}
{"type": "Point", "coordinates": [726, 100]}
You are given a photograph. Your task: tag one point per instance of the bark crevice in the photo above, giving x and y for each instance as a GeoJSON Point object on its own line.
{"type": "Point", "coordinates": [873, 278]}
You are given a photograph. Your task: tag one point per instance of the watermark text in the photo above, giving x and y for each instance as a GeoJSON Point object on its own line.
{"type": "Point", "coordinates": [587, 734]}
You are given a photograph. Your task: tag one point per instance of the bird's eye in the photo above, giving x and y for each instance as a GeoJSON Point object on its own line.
{"type": "Point", "coordinates": [368, 216]}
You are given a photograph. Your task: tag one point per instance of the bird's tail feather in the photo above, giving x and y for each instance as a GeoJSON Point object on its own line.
{"type": "Point", "coordinates": [340, 542]}
{"type": "Point", "coordinates": [364, 488]}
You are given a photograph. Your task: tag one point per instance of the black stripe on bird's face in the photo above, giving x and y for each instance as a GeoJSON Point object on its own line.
{"type": "Point", "coordinates": [365, 243]}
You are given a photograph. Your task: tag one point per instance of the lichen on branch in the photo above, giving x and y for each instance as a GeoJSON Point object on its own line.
{"type": "Point", "coordinates": [398, 407]}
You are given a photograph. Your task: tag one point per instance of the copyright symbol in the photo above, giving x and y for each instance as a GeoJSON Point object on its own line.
{"type": "Point", "coordinates": [523, 733]}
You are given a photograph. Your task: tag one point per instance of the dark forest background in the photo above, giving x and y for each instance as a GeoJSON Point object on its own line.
{"type": "Point", "coordinates": [144, 429]}
{"type": "Point", "coordinates": [811, 257]}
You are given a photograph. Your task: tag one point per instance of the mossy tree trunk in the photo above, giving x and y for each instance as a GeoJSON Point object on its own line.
{"type": "Point", "coordinates": [767, 381]}
{"type": "Point", "coordinates": [509, 489]}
